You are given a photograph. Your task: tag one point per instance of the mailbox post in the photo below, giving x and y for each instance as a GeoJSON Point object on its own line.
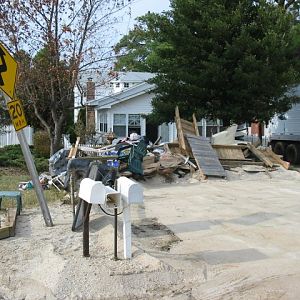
{"type": "Point", "coordinates": [131, 193]}
{"type": "Point", "coordinates": [95, 192]}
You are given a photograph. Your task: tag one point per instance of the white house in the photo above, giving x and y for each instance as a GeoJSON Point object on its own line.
{"type": "Point", "coordinates": [121, 104]}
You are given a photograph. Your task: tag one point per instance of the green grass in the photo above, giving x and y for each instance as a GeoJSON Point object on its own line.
{"type": "Point", "coordinates": [9, 181]}
{"type": "Point", "coordinates": [13, 170]}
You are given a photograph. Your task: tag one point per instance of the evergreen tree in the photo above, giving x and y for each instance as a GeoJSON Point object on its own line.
{"type": "Point", "coordinates": [227, 59]}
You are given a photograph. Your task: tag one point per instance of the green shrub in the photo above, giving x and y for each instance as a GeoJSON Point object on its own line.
{"type": "Point", "coordinates": [12, 156]}
{"type": "Point", "coordinates": [41, 143]}
{"type": "Point", "coordinates": [42, 164]}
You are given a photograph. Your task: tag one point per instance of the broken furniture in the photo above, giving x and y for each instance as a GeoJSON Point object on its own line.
{"type": "Point", "coordinates": [15, 195]}
{"type": "Point", "coordinates": [58, 181]}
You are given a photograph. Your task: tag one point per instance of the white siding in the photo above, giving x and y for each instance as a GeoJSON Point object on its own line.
{"type": "Point", "coordinates": [138, 105]}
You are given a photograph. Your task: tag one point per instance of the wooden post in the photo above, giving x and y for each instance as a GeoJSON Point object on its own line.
{"type": "Point", "coordinates": [195, 125]}
{"type": "Point", "coordinates": [86, 228]}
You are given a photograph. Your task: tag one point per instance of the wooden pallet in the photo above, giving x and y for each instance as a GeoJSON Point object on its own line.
{"type": "Point", "coordinates": [205, 156]}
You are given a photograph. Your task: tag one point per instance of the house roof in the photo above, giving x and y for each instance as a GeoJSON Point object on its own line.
{"type": "Point", "coordinates": [132, 76]}
{"type": "Point", "coordinates": [124, 95]}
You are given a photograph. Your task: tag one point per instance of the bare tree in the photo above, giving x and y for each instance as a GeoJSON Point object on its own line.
{"type": "Point", "coordinates": [53, 40]}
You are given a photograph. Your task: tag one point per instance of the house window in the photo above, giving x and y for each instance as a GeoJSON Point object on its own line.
{"type": "Point", "coordinates": [134, 123]}
{"type": "Point", "coordinates": [126, 84]}
{"type": "Point", "coordinates": [118, 84]}
{"type": "Point", "coordinates": [120, 125]}
{"type": "Point", "coordinates": [102, 117]}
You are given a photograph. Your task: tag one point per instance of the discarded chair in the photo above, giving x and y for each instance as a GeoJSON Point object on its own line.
{"type": "Point", "coordinates": [135, 157]}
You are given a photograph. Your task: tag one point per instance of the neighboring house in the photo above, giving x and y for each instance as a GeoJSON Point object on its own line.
{"type": "Point", "coordinates": [121, 104]}
{"type": "Point", "coordinates": [124, 110]}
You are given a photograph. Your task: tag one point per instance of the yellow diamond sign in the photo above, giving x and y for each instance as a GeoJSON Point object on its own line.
{"type": "Point", "coordinates": [8, 72]}
{"type": "Point", "coordinates": [16, 113]}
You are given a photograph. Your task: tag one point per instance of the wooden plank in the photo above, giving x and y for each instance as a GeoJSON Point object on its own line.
{"type": "Point", "coordinates": [187, 124]}
{"type": "Point", "coordinates": [7, 228]}
{"type": "Point", "coordinates": [276, 159]}
{"type": "Point", "coordinates": [226, 152]}
{"type": "Point", "coordinates": [195, 125]}
{"type": "Point", "coordinates": [242, 147]}
{"type": "Point", "coordinates": [73, 150]}
{"type": "Point", "coordinates": [179, 130]}
{"type": "Point", "coordinates": [260, 155]}
{"type": "Point", "coordinates": [239, 163]}
{"type": "Point", "coordinates": [188, 131]}
{"type": "Point", "coordinates": [205, 156]}
{"type": "Point", "coordinates": [187, 127]}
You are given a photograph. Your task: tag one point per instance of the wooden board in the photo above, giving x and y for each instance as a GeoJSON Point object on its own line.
{"type": "Point", "coordinates": [275, 158]}
{"type": "Point", "coordinates": [239, 163]}
{"type": "Point", "coordinates": [228, 152]}
{"type": "Point", "coordinates": [185, 127]}
{"type": "Point", "coordinates": [205, 156]}
{"type": "Point", "coordinates": [73, 150]}
{"type": "Point", "coordinates": [260, 155]}
{"type": "Point", "coordinates": [7, 228]}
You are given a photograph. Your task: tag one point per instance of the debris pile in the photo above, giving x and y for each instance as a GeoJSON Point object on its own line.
{"type": "Point", "coordinates": [191, 154]}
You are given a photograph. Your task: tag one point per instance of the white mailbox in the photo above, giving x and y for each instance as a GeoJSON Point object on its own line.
{"type": "Point", "coordinates": [131, 191]}
{"type": "Point", "coordinates": [92, 191]}
{"type": "Point", "coordinates": [96, 192]}
{"type": "Point", "coordinates": [112, 197]}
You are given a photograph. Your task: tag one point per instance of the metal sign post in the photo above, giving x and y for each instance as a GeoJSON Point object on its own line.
{"type": "Point", "coordinates": [8, 70]}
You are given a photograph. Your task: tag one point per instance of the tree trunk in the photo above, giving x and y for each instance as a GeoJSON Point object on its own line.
{"type": "Point", "coordinates": [56, 137]}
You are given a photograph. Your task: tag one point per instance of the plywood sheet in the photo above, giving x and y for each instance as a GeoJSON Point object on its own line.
{"type": "Point", "coordinates": [205, 156]}
{"type": "Point", "coordinates": [229, 152]}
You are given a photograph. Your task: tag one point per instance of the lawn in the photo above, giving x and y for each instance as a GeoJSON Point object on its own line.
{"type": "Point", "coordinates": [9, 181]}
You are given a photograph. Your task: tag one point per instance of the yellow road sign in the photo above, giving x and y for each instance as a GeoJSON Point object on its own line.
{"type": "Point", "coordinates": [8, 72]}
{"type": "Point", "coordinates": [16, 113]}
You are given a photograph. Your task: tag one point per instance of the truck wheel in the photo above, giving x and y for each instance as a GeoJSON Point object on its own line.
{"type": "Point", "coordinates": [293, 153]}
{"type": "Point", "coordinates": [279, 148]}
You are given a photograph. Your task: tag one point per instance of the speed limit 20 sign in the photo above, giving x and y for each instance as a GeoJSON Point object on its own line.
{"type": "Point", "coordinates": [16, 113]}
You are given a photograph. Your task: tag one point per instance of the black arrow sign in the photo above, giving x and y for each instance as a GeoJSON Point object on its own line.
{"type": "Point", "coordinates": [3, 67]}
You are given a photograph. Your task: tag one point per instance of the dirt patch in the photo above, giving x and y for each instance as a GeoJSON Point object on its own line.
{"type": "Point", "coordinates": [153, 235]}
